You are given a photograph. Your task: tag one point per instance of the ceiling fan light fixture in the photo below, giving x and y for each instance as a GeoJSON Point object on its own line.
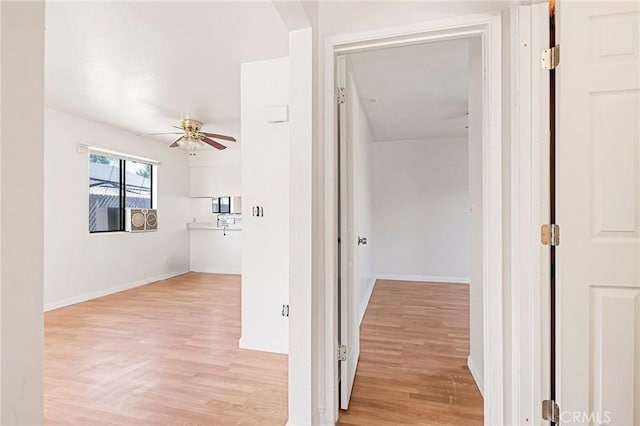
{"type": "Point", "coordinates": [193, 138]}
{"type": "Point", "coordinates": [190, 144]}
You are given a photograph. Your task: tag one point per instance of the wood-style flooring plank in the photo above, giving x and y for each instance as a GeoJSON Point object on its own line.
{"type": "Point", "coordinates": [160, 354]}
{"type": "Point", "coordinates": [414, 343]}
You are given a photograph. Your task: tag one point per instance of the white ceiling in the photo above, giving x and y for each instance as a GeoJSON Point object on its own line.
{"type": "Point", "coordinates": [142, 66]}
{"type": "Point", "coordinates": [420, 91]}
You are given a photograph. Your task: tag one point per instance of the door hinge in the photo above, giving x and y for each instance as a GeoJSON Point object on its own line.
{"type": "Point", "coordinates": [340, 95]}
{"type": "Point", "coordinates": [550, 58]}
{"type": "Point", "coordinates": [285, 310]}
{"type": "Point", "coordinates": [550, 411]}
{"type": "Point", "coordinates": [342, 352]}
{"type": "Point", "coordinates": [550, 235]}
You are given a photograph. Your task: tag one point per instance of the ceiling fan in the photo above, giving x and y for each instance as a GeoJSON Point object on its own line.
{"type": "Point", "coordinates": [193, 138]}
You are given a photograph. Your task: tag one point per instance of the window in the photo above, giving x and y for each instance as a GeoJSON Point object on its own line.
{"type": "Point", "coordinates": [116, 184]}
{"type": "Point", "coordinates": [221, 205]}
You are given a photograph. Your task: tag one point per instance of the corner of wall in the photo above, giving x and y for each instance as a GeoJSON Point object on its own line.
{"type": "Point", "coordinates": [476, 374]}
{"type": "Point", "coordinates": [263, 345]}
{"type": "Point", "coordinates": [365, 302]}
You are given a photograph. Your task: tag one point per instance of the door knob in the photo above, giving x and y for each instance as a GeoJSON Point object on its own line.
{"type": "Point", "coordinates": [362, 240]}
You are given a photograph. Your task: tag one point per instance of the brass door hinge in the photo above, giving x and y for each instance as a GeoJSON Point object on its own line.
{"type": "Point", "coordinates": [550, 58]}
{"type": "Point", "coordinates": [550, 235]}
{"type": "Point", "coordinates": [550, 411]}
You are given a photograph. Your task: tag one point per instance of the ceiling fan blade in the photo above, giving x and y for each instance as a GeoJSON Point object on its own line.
{"type": "Point", "coordinates": [216, 136]}
{"type": "Point", "coordinates": [212, 142]}
{"type": "Point", "coordinates": [177, 127]}
{"type": "Point", "coordinates": [173, 145]}
{"type": "Point", "coordinates": [167, 133]}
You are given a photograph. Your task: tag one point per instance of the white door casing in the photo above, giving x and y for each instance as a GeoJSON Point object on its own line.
{"type": "Point", "coordinates": [598, 210]}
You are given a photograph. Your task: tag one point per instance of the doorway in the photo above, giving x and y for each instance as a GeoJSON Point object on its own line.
{"type": "Point", "coordinates": [410, 153]}
{"type": "Point", "coordinates": [343, 315]}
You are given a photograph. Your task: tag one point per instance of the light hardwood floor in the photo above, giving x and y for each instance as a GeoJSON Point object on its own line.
{"type": "Point", "coordinates": [167, 354]}
{"type": "Point", "coordinates": [161, 354]}
{"type": "Point", "coordinates": [414, 342]}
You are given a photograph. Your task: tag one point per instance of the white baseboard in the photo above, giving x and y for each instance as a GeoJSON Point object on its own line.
{"type": "Point", "coordinates": [205, 270]}
{"type": "Point", "coordinates": [365, 302]}
{"type": "Point", "coordinates": [475, 373]}
{"type": "Point", "coordinates": [264, 345]}
{"type": "Point", "coordinates": [426, 278]}
{"type": "Point", "coordinates": [222, 274]}
{"type": "Point", "coordinates": [110, 290]}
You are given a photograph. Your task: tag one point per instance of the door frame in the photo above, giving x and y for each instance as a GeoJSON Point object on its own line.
{"type": "Point", "coordinates": [489, 28]}
{"type": "Point", "coordinates": [530, 260]}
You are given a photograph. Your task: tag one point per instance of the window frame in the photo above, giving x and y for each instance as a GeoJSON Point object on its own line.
{"type": "Point", "coordinates": [123, 188]}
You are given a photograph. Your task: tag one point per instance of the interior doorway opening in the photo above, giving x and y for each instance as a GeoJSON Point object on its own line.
{"type": "Point", "coordinates": [410, 230]}
{"type": "Point", "coordinates": [343, 313]}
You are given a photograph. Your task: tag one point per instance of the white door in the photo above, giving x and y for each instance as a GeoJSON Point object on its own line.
{"type": "Point", "coordinates": [360, 205]}
{"type": "Point", "coordinates": [598, 210]}
{"type": "Point", "coordinates": [355, 213]}
{"type": "Point", "coordinates": [349, 333]}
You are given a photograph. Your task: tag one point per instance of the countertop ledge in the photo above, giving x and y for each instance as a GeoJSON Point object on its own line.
{"type": "Point", "coordinates": [208, 226]}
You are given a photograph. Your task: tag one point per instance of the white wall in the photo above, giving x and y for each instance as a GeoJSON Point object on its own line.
{"type": "Point", "coordinates": [21, 212]}
{"type": "Point", "coordinates": [265, 183]}
{"type": "Point", "coordinates": [79, 265]}
{"type": "Point", "coordinates": [421, 210]}
{"type": "Point", "coordinates": [214, 173]}
{"type": "Point", "coordinates": [215, 251]}
{"type": "Point", "coordinates": [303, 352]}
{"type": "Point", "coordinates": [355, 16]}
{"type": "Point", "coordinates": [476, 319]}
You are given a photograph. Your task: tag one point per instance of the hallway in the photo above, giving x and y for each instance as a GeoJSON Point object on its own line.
{"type": "Point", "coordinates": [413, 358]}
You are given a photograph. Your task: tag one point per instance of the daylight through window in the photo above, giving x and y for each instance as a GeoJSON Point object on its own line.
{"type": "Point", "coordinates": [116, 184]}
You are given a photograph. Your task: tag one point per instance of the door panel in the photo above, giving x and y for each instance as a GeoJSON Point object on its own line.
{"type": "Point", "coordinates": [615, 363]}
{"type": "Point", "coordinates": [598, 194]}
{"type": "Point", "coordinates": [349, 260]}
{"type": "Point", "coordinates": [357, 163]}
